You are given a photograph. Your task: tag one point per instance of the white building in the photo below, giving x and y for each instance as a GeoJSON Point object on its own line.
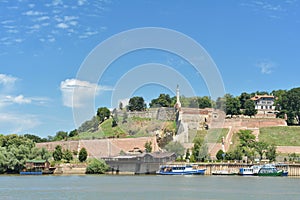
{"type": "Point", "coordinates": [264, 103]}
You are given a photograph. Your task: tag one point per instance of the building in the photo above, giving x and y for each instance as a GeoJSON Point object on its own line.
{"type": "Point", "coordinates": [264, 103]}
{"type": "Point", "coordinates": [145, 163]}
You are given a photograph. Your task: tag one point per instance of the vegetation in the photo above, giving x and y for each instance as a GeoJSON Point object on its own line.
{"type": "Point", "coordinates": [57, 153]}
{"type": "Point", "coordinates": [280, 135]}
{"type": "Point", "coordinates": [148, 146]}
{"type": "Point", "coordinates": [82, 155]}
{"type": "Point", "coordinates": [164, 100]}
{"type": "Point", "coordinates": [96, 166]}
{"type": "Point", "coordinates": [16, 150]}
{"type": "Point", "coordinates": [176, 147]}
{"type": "Point", "coordinates": [137, 104]}
{"type": "Point", "coordinates": [103, 113]}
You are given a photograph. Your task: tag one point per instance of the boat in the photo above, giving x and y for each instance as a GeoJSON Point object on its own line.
{"type": "Point", "coordinates": [180, 170]}
{"type": "Point", "coordinates": [271, 170]}
{"type": "Point", "coordinates": [249, 171]}
{"type": "Point", "coordinates": [223, 172]}
{"type": "Point", "coordinates": [37, 167]}
{"type": "Point", "coordinates": [31, 173]}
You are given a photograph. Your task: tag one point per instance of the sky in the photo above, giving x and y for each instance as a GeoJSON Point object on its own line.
{"type": "Point", "coordinates": [61, 60]}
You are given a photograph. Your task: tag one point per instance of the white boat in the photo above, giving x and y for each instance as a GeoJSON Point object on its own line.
{"type": "Point", "coordinates": [249, 171]}
{"type": "Point", "coordinates": [180, 170]}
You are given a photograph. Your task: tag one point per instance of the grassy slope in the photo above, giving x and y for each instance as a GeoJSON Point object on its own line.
{"type": "Point", "coordinates": [135, 127]}
{"type": "Point", "coordinates": [281, 136]}
{"type": "Point", "coordinates": [212, 135]}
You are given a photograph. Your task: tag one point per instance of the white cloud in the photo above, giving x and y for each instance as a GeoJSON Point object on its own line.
{"type": "Point", "coordinates": [81, 2]}
{"type": "Point", "coordinates": [266, 67]}
{"type": "Point", "coordinates": [32, 13]}
{"type": "Point", "coordinates": [17, 99]}
{"type": "Point", "coordinates": [42, 18]}
{"type": "Point", "coordinates": [84, 91]}
{"type": "Point", "coordinates": [62, 25]}
{"type": "Point", "coordinates": [17, 123]}
{"type": "Point", "coordinates": [7, 79]}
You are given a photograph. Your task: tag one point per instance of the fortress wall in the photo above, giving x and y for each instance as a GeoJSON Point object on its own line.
{"type": "Point", "coordinates": [163, 113]}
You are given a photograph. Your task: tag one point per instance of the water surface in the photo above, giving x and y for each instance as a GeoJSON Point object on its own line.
{"type": "Point", "coordinates": [148, 187]}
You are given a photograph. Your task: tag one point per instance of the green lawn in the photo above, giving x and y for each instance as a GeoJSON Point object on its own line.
{"type": "Point", "coordinates": [213, 135]}
{"type": "Point", "coordinates": [281, 136]}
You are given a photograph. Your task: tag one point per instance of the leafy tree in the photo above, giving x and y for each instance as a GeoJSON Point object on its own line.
{"type": "Point", "coordinates": [200, 149]}
{"type": "Point", "coordinates": [115, 118]}
{"type": "Point", "coordinates": [103, 113]}
{"type": "Point", "coordinates": [60, 135]}
{"type": "Point", "coordinates": [67, 155]}
{"type": "Point", "coordinates": [73, 133]}
{"type": "Point", "coordinates": [164, 100]}
{"type": "Point", "coordinates": [57, 153]}
{"type": "Point", "coordinates": [176, 147]}
{"type": "Point", "coordinates": [35, 138]}
{"type": "Point", "coordinates": [220, 154]}
{"type": "Point", "coordinates": [204, 102]}
{"type": "Point", "coordinates": [136, 104]}
{"type": "Point", "coordinates": [96, 166]}
{"type": "Point", "coordinates": [290, 101]}
{"type": "Point", "coordinates": [271, 153]}
{"type": "Point", "coordinates": [243, 98]}
{"type": "Point", "coordinates": [232, 105]}
{"type": "Point", "coordinates": [82, 155]}
{"type": "Point", "coordinates": [260, 148]}
{"type": "Point", "coordinates": [249, 107]}
{"type": "Point", "coordinates": [187, 154]}
{"type": "Point", "coordinates": [148, 146]}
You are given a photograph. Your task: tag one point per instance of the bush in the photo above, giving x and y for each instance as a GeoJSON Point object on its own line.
{"type": "Point", "coordinates": [82, 155]}
{"type": "Point", "coordinates": [96, 166]}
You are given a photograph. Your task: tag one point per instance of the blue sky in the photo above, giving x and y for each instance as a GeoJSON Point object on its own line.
{"type": "Point", "coordinates": [44, 44]}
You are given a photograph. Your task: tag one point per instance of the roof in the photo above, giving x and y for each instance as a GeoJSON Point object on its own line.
{"type": "Point", "coordinates": [257, 97]}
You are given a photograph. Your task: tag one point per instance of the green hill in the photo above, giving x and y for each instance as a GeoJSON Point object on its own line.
{"type": "Point", "coordinates": [281, 135]}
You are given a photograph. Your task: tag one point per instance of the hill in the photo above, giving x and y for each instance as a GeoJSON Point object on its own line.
{"type": "Point", "coordinates": [281, 135]}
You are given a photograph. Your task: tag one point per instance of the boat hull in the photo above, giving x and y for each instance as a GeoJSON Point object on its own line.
{"type": "Point", "coordinates": [197, 172]}
{"type": "Point", "coordinates": [31, 173]}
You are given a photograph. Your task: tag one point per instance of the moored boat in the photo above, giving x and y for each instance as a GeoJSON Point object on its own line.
{"type": "Point", "coordinates": [180, 170]}
{"type": "Point", "coordinates": [223, 172]}
{"type": "Point", "coordinates": [271, 170]}
{"type": "Point", "coordinates": [249, 171]}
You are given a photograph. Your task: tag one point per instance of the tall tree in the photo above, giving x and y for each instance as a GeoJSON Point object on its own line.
{"type": "Point", "coordinates": [243, 98]}
{"type": "Point", "coordinates": [291, 103]}
{"type": "Point", "coordinates": [136, 104]}
{"type": "Point", "coordinates": [204, 102]}
{"type": "Point", "coordinates": [249, 107]}
{"type": "Point", "coordinates": [164, 100]}
{"type": "Point", "coordinates": [57, 153]}
{"type": "Point", "coordinates": [82, 155]}
{"type": "Point", "coordinates": [103, 113]}
{"type": "Point", "coordinates": [232, 105]}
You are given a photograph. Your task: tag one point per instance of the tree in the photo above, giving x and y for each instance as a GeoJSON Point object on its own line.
{"type": "Point", "coordinates": [96, 166]}
{"type": "Point", "coordinates": [73, 133]}
{"type": "Point", "coordinates": [220, 154]}
{"type": "Point", "coordinates": [57, 153]}
{"type": "Point", "coordinates": [67, 155]}
{"type": "Point", "coordinates": [260, 148]}
{"type": "Point", "coordinates": [204, 102]}
{"type": "Point", "coordinates": [249, 107]}
{"type": "Point", "coordinates": [60, 135]}
{"type": "Point", "coordinates": [291, 103]}
{"type": "Point", "coordinates": [221, 103]}
{"type": "Point", "coordinates": [148, 146]}
{"type": "Point", "coordinates": [271, 153]}
{"type": "Point", "coordinates": [82, 155]}
{"type": "Point", "coordinates": [232, 105]}
{"type": "Point", "coordinates": [103, 113]}
{"type": "Point", "coordinates": [164, 100]}
{"type": "Point", "coordinates": [243, 98]}
{"type": "Point", "coordinates": [35, 138]}
{"type": "Point", "coordinates": [176, 147]}
{"type": "Point", "coordinates": [136, 104]}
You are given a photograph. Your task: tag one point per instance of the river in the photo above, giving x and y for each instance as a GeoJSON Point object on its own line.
{"type": "Point", "coordinates": [148, 187]}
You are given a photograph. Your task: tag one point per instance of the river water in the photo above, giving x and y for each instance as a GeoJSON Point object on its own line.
{"type": "Point", "coordinates": [148, 187]}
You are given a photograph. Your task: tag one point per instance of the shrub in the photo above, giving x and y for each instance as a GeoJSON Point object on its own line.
{"type": "Point", "coordinates": [96, 166]}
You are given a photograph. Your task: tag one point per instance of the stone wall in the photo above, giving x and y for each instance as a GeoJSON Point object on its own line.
{"type": "Point", "coordinates": [165, 114]}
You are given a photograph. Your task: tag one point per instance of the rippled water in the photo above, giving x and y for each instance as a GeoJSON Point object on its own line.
{"type": "Point", "coordinates": [148, 187]}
